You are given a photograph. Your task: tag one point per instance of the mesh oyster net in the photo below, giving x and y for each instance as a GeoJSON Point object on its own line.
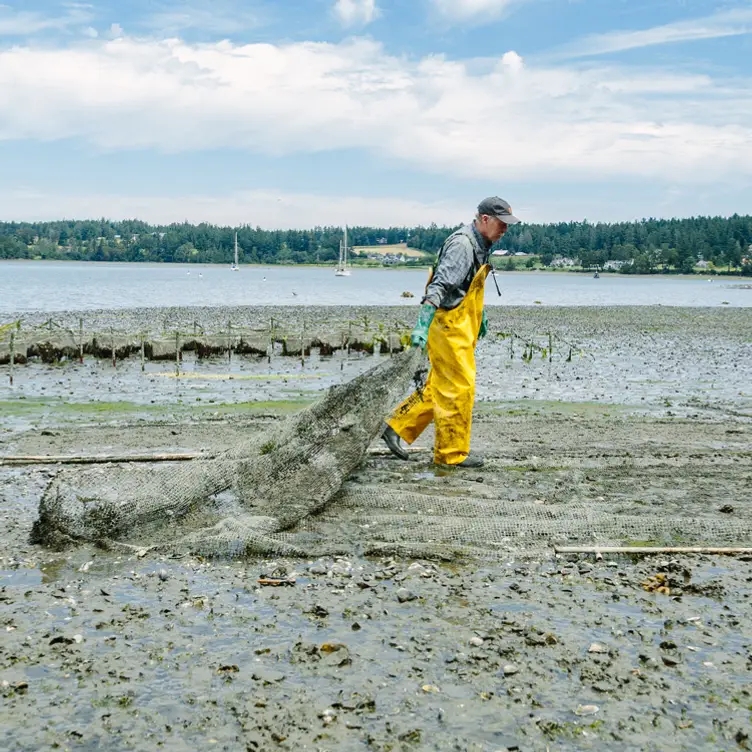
{"type": "Point", "coordinates": [285, 492]}
{"type": "Point", "coordinates": [405, 522]}
{"type": "Point", "coordinates": [239, 502]}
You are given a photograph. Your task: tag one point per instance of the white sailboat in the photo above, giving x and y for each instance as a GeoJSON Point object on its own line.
{"type": "Point", "coordinates": [235, 266]}
{"type": "Point", "coordinates": [342, 270]}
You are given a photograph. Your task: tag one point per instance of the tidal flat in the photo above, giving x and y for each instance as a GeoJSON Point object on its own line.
{"type": "Point", "coordinates": [508, 646]}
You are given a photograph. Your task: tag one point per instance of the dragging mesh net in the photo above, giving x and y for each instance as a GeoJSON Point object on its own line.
{"type": "Point", "coordinates": [237, 503]}
{"type": "Point", "coordinates": [404, 522]}
{"type": "Point", "coordinates": [287, 491]}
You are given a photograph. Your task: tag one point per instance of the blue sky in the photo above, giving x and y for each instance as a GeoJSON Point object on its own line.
{"type": "Point", "coordinates": [312, 112]}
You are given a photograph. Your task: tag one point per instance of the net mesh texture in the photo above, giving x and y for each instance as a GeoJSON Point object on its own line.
{"type": "Point", "coordinates": [289, 491]}
{"type": "Point", "coordinates": [234, 504]}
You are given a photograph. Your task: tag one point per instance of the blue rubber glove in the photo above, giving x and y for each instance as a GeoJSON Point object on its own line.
{"type": "Point", "coordinates": [483, 331]}
{"type": "Point", "coordinates": [419, 336]}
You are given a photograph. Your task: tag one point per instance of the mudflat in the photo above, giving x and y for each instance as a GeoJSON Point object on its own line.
{"type": "Point", "coordinates": [640, 412]}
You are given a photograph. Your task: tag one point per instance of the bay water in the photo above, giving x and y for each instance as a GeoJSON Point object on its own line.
{"type": "Point", "coordinates": [27, 286]}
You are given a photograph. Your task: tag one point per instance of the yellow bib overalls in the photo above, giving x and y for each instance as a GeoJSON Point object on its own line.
{"type": "Point", "coordinates": [449, 394]}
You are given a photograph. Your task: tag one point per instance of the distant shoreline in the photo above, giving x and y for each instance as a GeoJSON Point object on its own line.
{"type": "Point", "coordinates": [381, 267]}
{"type": "Point", "coordinates": [205, 264]}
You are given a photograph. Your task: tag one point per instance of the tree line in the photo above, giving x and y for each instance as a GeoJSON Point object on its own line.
{"type": "Point", "coordinates": [647, 246]}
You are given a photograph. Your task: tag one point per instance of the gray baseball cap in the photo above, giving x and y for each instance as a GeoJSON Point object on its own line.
{"type": "Point", "coordinates": [497, 207]}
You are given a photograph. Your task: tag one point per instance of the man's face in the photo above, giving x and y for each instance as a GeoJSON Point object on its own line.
{"type": "Point", "coordinates": [492, 228]}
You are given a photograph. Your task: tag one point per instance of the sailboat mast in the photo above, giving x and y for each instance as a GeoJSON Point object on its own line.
{"type": "Point", "coordinates": [342, 270]}
{"type": "Point", "coordinates": [236, 249]}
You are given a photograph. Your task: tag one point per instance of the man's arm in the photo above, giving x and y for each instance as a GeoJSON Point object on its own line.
{"type": "Point", "coordinates": [454, 265]}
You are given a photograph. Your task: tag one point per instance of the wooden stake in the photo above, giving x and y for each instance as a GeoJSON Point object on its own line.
{"type": "Point", "coordinates": [12, 353]}
{"type": "Point", "coordinates": [651, 550]}
{"type": "Point", "coordinates": [81, 341]}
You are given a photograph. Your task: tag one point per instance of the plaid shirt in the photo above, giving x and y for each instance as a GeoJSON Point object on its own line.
{"type": "Point", "coordinates": [460, 258]}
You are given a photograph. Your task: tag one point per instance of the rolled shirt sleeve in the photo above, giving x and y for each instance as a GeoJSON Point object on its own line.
{"type": "Point", "coordinates": [455, 264]}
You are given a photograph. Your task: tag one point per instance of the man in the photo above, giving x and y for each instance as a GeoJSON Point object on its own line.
{"type": "Point", "coordinates": [450, 321]}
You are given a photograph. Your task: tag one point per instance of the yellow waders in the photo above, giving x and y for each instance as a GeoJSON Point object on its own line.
{"type": "Point", "coordinates": [449, 394]}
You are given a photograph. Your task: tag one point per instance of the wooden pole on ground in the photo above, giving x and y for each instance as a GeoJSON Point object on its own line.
{"type": "Point", "coordinates": [98, 459]}
{"type": "Point", "coordinates": [81, 340]}
{"type": "Point", "coordinates": [642, 550]}
{"type": "Point", "coordinates": [51, 459]}
{"type": "Point", "coordinates": [177, 353]}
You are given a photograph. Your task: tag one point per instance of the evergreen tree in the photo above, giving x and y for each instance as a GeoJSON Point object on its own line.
{"type": "Point", "coordinates": [647, 246]}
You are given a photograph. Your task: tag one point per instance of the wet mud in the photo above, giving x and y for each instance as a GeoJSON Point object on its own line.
{"type": "Point", "coordinates": [630, 355]}
{"type": "Point", "coordinates": [525, 650]}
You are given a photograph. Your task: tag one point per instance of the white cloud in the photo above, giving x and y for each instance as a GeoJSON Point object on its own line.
{"type": "Point", "coordinates": [356, 12]}
{"type": "Point", "coordinates": [498, 119]}
{"type": "Point", "coordinates": [25, 23]}
{"type": "Point", "coordinates": [472, 9]}
{"type": "Point", "coordinates": [512, 61]}
{"type": "Point", "coordinates": [722, 24]}
{"type": "Point", "coordinates": [270, 209]}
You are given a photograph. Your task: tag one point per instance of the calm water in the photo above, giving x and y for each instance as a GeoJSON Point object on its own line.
{"type": "Point", "coordinates": [56, 286]}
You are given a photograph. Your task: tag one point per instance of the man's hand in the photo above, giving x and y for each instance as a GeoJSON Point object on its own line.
{"type": "Point", "coordinates": [483, 325]}
{"type": "Point", "coordinates": [419, 336]}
